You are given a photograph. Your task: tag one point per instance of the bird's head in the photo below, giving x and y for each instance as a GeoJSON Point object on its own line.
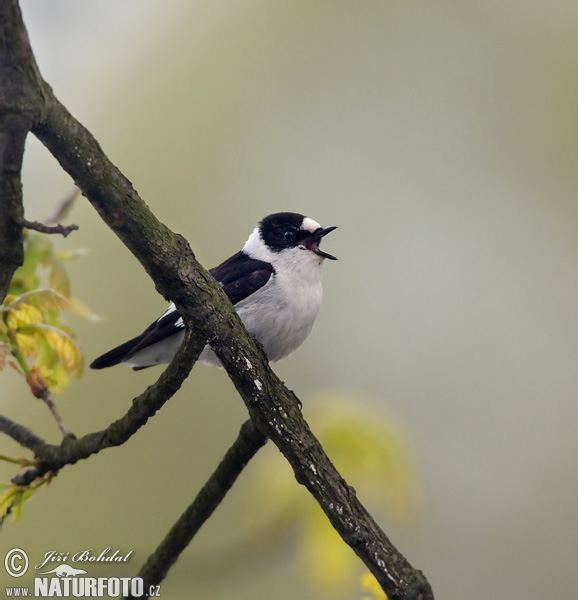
{"type": "Point", "coordinates": [285, 235]}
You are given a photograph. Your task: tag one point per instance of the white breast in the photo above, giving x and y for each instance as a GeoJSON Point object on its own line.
{"type": "Point", "coordinates": [281, 314]}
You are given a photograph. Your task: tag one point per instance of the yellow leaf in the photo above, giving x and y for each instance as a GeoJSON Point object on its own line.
{"type": "Point", "coordinates": [44, 298]}
{"type": "Point", "coordinates": [20, 314]}
{"type": "Point", "coordinates": [5, 351]}
{"type": "Point", "coordinates": [369, 447]}
{"type": "Point", "coordinates": [56, 377]}
{"type": "Point", "coordinates": [369, 583]}
{"type": "Point", "coordinates": [66, 349]}
{"type": "Point", "coordinates": [81, 310]}
{"type": "Point", "coordinates": [58, 278]}
{"type": "Point", "coordinates": [71, 254]}
{"type": "Point", "coordinates": [27, 343]}
{"type": "Point", "coordinates": [325, 557]}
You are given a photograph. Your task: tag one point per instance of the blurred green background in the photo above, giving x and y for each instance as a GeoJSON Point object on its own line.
{"type": "Point", "coordinates": [442, 139]}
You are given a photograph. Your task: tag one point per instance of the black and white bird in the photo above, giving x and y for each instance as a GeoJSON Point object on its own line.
{"type": "Point", "coordinates": [274, 283]}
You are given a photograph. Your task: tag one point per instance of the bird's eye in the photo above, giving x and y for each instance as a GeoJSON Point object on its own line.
{"type": "Point", "coordinates": [289, 235]}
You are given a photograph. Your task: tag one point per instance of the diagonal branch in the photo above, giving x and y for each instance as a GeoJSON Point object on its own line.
{"type": "Point", "coordinates": [205, 308]}
{"type": "Point", "coordinates": [209, 316]}
{"type": "Point", "coordinates": [248, 442]}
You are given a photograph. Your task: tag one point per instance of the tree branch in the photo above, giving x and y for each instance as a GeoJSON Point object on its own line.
{"type": "Point", "coordinates": [209, 315]}
{"type": "Point", "coordinates": [144, 406]}
{"type": "Point", "coordinates": [204, 307]}
{"type": "Point", "coordinates": [20, 103]}
{"type": "Point", "coordinates": [21, 434]}
{"type": "Point", "coordinates": [13, 131]}
{"type": "Point", "coordinates": [64, 207]}
{"type": "Point", "coordinates": [248, 442]}
{"type": "Point", "coordinates": [63, 230]}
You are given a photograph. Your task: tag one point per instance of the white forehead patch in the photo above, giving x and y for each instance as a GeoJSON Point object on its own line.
{"type": "Point", "coordinates": [310, 225]}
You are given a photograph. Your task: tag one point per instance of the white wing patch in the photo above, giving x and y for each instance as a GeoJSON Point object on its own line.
{"type": "Point", "coordinates": [169, 310]}
{"type": "Point", "coordinates": [179, 322]}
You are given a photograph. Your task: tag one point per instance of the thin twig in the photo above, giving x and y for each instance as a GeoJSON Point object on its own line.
{"type": "Point", "coordinates": [46, 397]}
{"type": "Point", "coordinates": [37, 384]}
{"type": "Point", "coordinates": [248, 442]}
{"type": "Point", "coordinates": [63, 230]}
{"type": "Point", "coordinates": [64, 207]}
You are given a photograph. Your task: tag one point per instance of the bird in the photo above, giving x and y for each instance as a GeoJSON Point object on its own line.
{"type": "Point", "coordinates": [274, 283]}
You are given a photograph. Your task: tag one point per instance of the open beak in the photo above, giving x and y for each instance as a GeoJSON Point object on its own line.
{"type": "Point", "coordinates": [312, 243]}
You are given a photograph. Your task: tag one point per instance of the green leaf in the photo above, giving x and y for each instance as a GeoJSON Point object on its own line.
{"type": "Point", "coordinates": [17, 461]}
{"type": "Point", "coordinates": [16, 509]}
{"type": "Point", "coordinates": [72, 254]}
{"type": "Point", "coordinates": [58, 278]}
{"type": "Point", "coordinates": [36, 250]}
{"type": "Point", "coordinates": [14, 496]}
{"type": "Point", "coordinates": [7, 500]}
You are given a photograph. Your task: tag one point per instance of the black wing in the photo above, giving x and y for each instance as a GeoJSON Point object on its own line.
{"type": "Point", "coordinates": [169, 324]}
{"type": "Point", "coordinates": [240, 276]}
{"type": "Point", "coordinates": [114, 356]}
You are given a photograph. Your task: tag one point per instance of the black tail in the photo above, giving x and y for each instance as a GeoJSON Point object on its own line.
{"type": "Point", "coordinates": [116, 355]}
